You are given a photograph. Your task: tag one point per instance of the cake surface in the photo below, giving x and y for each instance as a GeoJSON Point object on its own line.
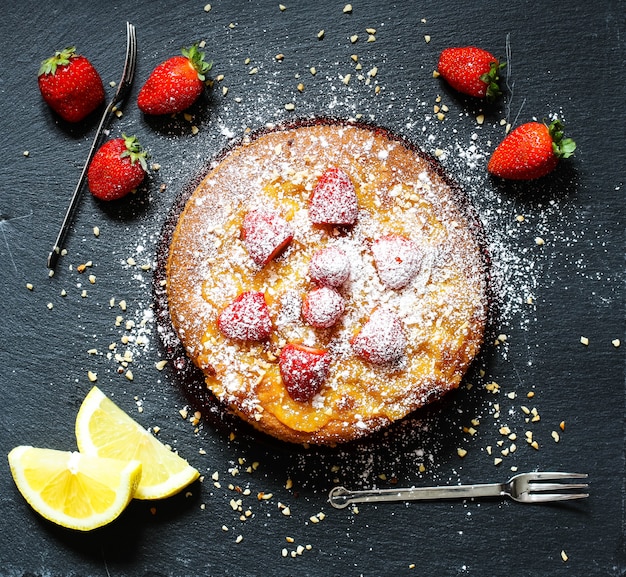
{"type": "Point", "coordinates": [338, 317]}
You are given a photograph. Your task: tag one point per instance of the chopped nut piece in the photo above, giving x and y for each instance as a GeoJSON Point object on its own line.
{"type": "Point", "coordinates": [426, 38]}
{"type": "Point", "coordinates": [564, 556]}
{"type": "Point", "coordinates": [461, 452]}
{"type": "Point", "coordinates": [616, 343]}
{"type": "Point", "coordinates": [93, 377]}
{"type": "Point", "coordinates": [347, 9]}
{"type": "Point", "coordinates": [290, 106]}
{"type": "Point", "coordinates": [354, 38]}
{"type": "Point", "coordinates": [584, 341]}
{"type": "Point", "coordinates": [207, 8]}
{"type": "Point", "coordinates": [161, 364]}
{"type": "Point", "coordinates": [320, 34]}
{"type": "Point", "coordinates": [29, 286]}
{"type": "Point", "coordinates": [96, 231]}
{"type": "Point", "coordinates": [539, 241]}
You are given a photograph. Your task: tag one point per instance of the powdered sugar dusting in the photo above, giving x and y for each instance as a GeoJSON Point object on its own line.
{"type": "Point", "coordinates": [439, 309]}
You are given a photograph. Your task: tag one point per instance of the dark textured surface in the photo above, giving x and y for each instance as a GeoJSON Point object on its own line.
{"type": "Point", "coordinates": [565, 58]}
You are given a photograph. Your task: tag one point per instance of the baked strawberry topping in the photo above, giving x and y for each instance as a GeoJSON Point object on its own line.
{"type": "Point", "coordinates": [322, 307]}
{"type": "Point", "coordinates": [265, 234]}
{"type": "Point", "coordinates": [381, 340]}
{"type": "Point", "coordinates": [303, 370]}
{"type": "Point", "coordinates": [247, 318]}
{"type": "Point", "coordinates": [333, 200]}
{"type": "Point", "coordinates": [329, 266]}
{"type": "Point", "coordinates": [397, 260]}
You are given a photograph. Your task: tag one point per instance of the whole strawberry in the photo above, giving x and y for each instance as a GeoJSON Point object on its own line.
{"type": "Point", "coordinates": [70, 85]}
{"type": "Point", "coordinates": [117, 168]}
{"type": "Point", "coordinates": [530, 151]}
{"type": "Point", "coordinates": [472, 71]}
{"type": "Point", "coordinates": [175, 84]}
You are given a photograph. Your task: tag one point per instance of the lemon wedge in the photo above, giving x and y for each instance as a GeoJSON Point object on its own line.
{"type": "Point", "coordinates": [73, 490]}
{"type": "Point", "coordinates": [105, 430]}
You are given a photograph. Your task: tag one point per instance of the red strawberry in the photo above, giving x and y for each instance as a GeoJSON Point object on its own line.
{"type": "Point", "coordinates": [397, 260]}
{"type": "Point", "coordinates": [265, 234]}
{"type": "Point", "coordinates": [334, 199]}
{"type": "Point", "coordinates": [532, 150]}
{"type": "Point", "coordinates": [117, 168]}
{"type": "Point", "coordinates": [247, 318]}
{"type": "Point", "coordinates": [472, 71]}
{"type": "Point", "coordinates": [70, 85]}
{"type": "Point", "coordinates": [303, 370]}
{"type": "Point", "coordinates": [329, 266]}
{"type": "Point", "coordinates": [381, 340]}
{"type": "Point", "coordinates": [175, 84]}
{"type": "Point", "coordinates": [322, 307]}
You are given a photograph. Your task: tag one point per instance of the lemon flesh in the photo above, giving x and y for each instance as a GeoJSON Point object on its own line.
{"type": "Point", "coordinates": [73, 490]}
{"type": "Point", "coordinates": [105, 430]}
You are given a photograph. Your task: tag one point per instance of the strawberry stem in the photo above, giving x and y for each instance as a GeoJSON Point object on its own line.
{"type": "Point", "coordinates": [60, 58]}
{"type": "Point", "coordinates": [135, 151]}
{"type": "Point", "coordinates": [562, 147]}
{"type": "Point", "coordinates": [196, 57]}
{"type": "Point", "coordinates": [492, 80]}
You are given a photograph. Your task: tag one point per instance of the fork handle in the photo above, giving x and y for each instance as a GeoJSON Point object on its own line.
{"type": "Point", "coordinates": [340, 497]}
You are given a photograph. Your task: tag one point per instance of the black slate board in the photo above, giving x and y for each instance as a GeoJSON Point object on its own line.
{"type": "Point", "coordinates": [565, 58]}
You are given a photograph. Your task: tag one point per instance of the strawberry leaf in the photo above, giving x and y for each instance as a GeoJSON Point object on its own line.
{"type": "Point", "coordinates": [562, 147]}
{"type": "Point", "coordinates": [134, 151]}
{"type": "Point", "coordinates": [492, 80]}
{"type": "Point", "coordinates": [60, 58]}
{"type": "Point", "coordinates": [196, 57]}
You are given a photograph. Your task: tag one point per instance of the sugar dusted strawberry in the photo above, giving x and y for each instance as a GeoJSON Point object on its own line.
{"type": "Point", "coordinates": [175, 84]}
{"type": "Point", "coordinates": [247, 318]}
{"type": "Point", "coordinates": [329, 266]}
{"type": "Point", "coordinates": [397, 260]}
{"type": "Point", "coordinates": [70, 85]}
{"type": "Point", "coordinates": [530, 151]}
{"type": "Point", "coordinates": [334, 199]}
{"type": "Point", "coordinates": [303, 370]}
{"type": "Point", "coordinates": [265, 234]}
{"type": "Point", "coordinates": [381, 340]}
{"type": "Point", "coordinates": [322, 307]}
{"type": "Point", "coordinates": [472, 71]}
{"type": "Point", "coordinates": [118, 167]}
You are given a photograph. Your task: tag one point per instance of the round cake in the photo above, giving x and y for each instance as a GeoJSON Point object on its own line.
{"type": "Point", "coordinates": [327, 279]}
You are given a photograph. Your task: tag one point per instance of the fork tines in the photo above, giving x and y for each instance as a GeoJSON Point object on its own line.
{"type": "Point", "coordinates": [539, 485]}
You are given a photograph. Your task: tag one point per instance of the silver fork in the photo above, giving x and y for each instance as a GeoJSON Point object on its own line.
{"type": "Point", "coordinates": [537, 487]}
{"type": "Point", "coordinates": [130, 63]}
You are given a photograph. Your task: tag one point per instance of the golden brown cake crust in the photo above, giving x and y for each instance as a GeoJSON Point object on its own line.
{"type": "Point", "coordinates": [399, 191]}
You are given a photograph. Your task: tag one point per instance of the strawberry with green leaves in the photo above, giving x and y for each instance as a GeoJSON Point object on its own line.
{"type": "Point", "coordinates": [175, 84]}
{"type": "Point", "coordinates": [118, 167]}
{"type": "Point", "coordinates": [70, 85]}
{"type": "Point", "coordinates": [531, 151]}
{"type": "Point", "coordinates": [472, 71]}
